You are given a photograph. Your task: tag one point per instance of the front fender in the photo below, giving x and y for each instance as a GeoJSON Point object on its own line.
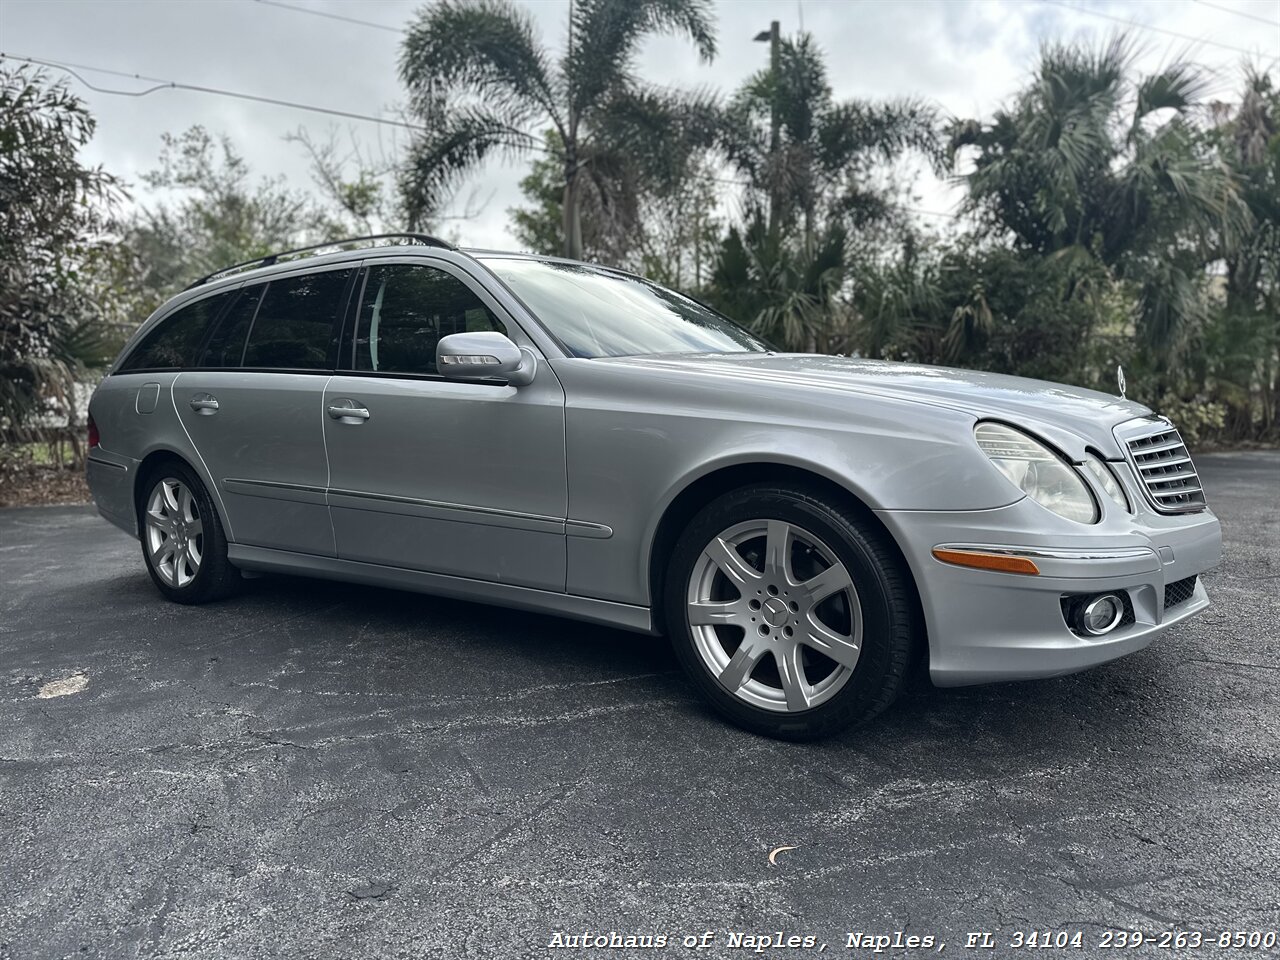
{"type": "Point", "coordinates": [634, 445]}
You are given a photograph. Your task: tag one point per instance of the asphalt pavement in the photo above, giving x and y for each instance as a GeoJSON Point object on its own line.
{"type": "Point", "coordinates": [321, 770]}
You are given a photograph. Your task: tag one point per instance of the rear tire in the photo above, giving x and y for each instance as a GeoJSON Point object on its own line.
{"type": "Point", "coordinates": [793, 616]}
{"type": "Point", "coordinates": [183, 543]}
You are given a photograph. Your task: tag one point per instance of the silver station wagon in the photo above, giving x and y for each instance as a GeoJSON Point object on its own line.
{"type": "Point", "coordinates": [562, 437]}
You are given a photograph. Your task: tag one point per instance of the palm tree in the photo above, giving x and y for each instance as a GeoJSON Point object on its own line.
{"type": "Point", "coordinates": [786, 292]}
{"type": "Point", "coordinates": [806, 195]}
{"type": "Point", "coordinates": [482, 83]}
{"type": "Point", "coordinates": [1246, 350]}
{"type": "Point", "coordinates": [1090, 168]}
{"type": "Point", "coordinates": [821, 166]}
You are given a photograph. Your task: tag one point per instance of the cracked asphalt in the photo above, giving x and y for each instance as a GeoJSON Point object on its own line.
{"type": "Point", "coordinates": [320, 770]}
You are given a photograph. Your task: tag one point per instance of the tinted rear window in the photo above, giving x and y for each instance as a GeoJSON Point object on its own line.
{"type": "Point", "coordinates": [226, 346]}
{"type": "Point", "coordinates": [175, 339]}
{"type": "Point", "coordinates": [294, 325]}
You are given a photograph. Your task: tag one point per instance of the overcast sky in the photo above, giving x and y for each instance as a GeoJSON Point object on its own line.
{"type": "Point", "coordinates": [965, 56]}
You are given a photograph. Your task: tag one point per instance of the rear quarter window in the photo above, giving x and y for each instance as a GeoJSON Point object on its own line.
{"type": "Point", "coordinates": [173, 343]}
{"type": "Point", "coordinates": [226, 345]}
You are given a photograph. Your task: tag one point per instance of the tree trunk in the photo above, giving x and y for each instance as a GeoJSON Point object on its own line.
{"type": "Point", "coordinates": [572, 205]}
{"type": "Point", "coordinates": [775, 141]}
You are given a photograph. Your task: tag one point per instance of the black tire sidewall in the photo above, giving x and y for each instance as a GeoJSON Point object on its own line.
{"type": "Point", "coordinates": [875, 679]}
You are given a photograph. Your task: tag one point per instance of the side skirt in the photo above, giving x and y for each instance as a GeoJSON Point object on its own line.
{"type": "Point", "coordinates": [609, 613]}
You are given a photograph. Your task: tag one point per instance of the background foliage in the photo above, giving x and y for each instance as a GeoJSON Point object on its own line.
{"type": "Point", "coordinates": [55, 214]}
{"type": "Point", "coordinates": [1108, 217]}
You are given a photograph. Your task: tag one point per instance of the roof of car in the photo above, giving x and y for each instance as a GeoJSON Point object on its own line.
{"type": "Point", "coordinates": [305, 257]}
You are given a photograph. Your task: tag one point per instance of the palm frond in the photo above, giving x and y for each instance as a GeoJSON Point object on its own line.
{"type": "Point", "coordinates": [460, 141]}
{"type": "Point", "coordinates": [606, 35]}
{"type": "Point", "coordinates": [743, 134]}
{"type": "Point", "coordinates": [1172, 305]}
{"type": "Point", "coordinates": [658, 131]}
{"type": "Point", "coordinates": [803, 92]}
{"type": "Point", "coordinates": [1069, 72]}
{"type": "Point", "coordinates": [486, 49]}
{"type": "Point", "coordinates": [1178, 86]}
{"type": "Point", "coordinates": [1197, 191]}
{"type": "Point", "coordinates": [884, 130]}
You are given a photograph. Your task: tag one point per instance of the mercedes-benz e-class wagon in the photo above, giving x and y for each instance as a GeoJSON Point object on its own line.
{"type": "Point", "coordinates": [567, 438]}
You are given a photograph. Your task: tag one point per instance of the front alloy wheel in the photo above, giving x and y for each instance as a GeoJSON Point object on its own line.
{"type": "Point", "coordinates": [775, 615]}
{"type": "Point", "coordinates": [791, 610]}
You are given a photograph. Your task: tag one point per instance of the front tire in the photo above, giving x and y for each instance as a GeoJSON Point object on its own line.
{"type": "Point", "coordinates": [183, 543]}
{"type": "Point", "coordinates": [794, 617]}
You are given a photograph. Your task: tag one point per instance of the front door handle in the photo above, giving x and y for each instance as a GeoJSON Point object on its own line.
{"type": "Point", "coordinates": [339, 412]}
{"type": "Point", "coordinates": [204, 404]}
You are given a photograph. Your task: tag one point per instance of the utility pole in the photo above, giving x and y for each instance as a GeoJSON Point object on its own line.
{"type": "Point", "coordinates": [774, 37]}
{"type": "Point", "coordinates": [571, 216]}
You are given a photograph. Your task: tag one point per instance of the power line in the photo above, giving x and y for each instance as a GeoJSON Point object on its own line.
{"type": "Point", "coordinates": [1143, 26]}
{"type": "Point", "coordinates": [1147, 26]}
{"type": "Point", "coordinates": [331, 16]}
{"type": "Point", "coordinates": [162, 84]}
{"type": "Point", "coordinates": [1239, 13]}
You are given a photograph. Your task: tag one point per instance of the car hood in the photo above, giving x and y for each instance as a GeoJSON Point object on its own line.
{"type": "Point", "coordinates": [1070, 417]}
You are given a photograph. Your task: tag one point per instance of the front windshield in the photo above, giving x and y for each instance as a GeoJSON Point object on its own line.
{"type": "Point", "coordinates": [597, 313]}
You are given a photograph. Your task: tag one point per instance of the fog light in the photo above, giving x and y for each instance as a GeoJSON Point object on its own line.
{"type": "Point", "coordinates": [1100, 615]}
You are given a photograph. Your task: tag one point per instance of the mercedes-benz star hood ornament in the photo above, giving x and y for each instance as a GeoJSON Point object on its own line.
{"type": "Point", "coordinates": [1120, 380]}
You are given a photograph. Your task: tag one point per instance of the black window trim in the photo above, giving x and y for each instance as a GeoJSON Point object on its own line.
{"type": "Point", "coordinates": [427, 377]}
{"type": "Point", "coordinates": [351, 320]}
{"type": "Point", "coordinates": [252, 320]}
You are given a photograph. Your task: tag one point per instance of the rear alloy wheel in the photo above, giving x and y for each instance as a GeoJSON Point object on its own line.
{"type": "Point", "coordinates": [182, 538]}
{"type": "Point", "coordinates": [175, 533]}
{"type": "Point", "coordinates": [792, 616]}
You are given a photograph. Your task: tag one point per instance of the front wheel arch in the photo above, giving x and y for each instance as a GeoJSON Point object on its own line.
{"type": "Point", "coordinates": [709, 487]}
{"type": "Point", "coordinates": [754, 585]}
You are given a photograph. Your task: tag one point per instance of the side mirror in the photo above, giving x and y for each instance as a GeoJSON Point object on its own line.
{"type": "Point", "coordinates": [478, 356]}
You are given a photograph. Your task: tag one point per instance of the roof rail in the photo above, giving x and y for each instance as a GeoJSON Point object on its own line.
{"type": "Point", "coordinates": [273, 258]}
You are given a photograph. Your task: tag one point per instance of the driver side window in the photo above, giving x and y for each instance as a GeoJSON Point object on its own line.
{"type": "Point", "coordinates": [405, 310]}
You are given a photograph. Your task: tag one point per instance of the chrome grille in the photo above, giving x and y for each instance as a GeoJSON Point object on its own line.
{"type": "Point", "coordinates": [1164, 466]}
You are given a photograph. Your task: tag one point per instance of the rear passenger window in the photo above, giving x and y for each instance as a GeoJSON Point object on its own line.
{"type": "Point", "coordinates": [406, 309]}
{"type": "Point", "coordinates": [174, 341]}
{"type": "Point", "coordinates": [226, 346]}
{"type": "Point", "coordinates": [295, 322]}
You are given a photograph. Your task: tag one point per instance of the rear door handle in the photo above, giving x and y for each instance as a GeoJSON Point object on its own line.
{"type": "Point", "coordinates": [204, 403]}
{"type": "Point", "coordinates": [339, 412]}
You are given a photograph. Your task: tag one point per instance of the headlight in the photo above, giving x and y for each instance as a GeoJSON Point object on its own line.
{"type": "Point", "coordinates": [1037, 471]}
{"type": "Point", "coordinates": [1107, 480]}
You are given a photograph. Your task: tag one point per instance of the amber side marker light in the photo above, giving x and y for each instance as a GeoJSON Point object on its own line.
{"type": "Point", "coordinates": [1002, 562]}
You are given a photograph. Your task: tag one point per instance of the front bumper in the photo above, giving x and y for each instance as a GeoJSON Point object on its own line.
{"type": "Point", "coordinates": [987, 626]}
